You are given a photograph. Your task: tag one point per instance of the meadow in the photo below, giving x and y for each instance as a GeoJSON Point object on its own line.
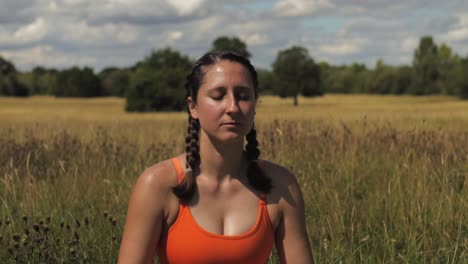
{"type": "Point", "coordinates": [385, 179]}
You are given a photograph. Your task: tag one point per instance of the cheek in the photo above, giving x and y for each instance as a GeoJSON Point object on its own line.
{"type": "Point", "coordinates": [208, 109]}
{"type": "Point", "coordinates": [248, 108]}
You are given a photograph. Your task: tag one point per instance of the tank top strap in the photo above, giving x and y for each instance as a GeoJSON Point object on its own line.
{"type": "Point", "coordinates": [262, 200]}
{"type": "Point", "coordinates": [262, 195]}
{"type": "Point", "coordinates": [178, 167]}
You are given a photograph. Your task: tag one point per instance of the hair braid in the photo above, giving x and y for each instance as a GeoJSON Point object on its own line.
{"type": "Point", "coordinates": [185, 189]}
{"type": "Point", "coordinates": [255, 175]}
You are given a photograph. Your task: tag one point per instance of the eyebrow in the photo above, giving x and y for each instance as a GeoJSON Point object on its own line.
{"type": "Point", "coordinates": [236, 88]}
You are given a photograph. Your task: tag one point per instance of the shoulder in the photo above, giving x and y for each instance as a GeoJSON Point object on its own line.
{"type": "Point", "coordinates": [286, 189]}
{"type": "Point", "coordinates": [157, 180]}
{"type": "Point", "coordinates": [281, 176]}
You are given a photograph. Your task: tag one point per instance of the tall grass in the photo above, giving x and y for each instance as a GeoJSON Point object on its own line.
{"type": "Point", "coordinates": [384, 178]}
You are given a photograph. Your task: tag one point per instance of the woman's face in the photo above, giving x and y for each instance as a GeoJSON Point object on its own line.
{"type": "Point", "coordinates": [226, 101]}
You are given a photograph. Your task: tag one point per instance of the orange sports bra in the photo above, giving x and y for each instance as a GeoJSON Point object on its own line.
{"type": "Point", "coordinates": [187, 242]}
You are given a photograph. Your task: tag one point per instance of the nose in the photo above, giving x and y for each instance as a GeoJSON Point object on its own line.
{"type": "Point", "coordinates": [232, 105]}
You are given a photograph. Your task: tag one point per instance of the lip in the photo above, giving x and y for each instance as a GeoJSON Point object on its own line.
{"type": "Point", "coordinates": [232, 124]}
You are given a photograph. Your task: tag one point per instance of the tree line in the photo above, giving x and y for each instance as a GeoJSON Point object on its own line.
{"type": "Point", "coordinates": [156, 83]}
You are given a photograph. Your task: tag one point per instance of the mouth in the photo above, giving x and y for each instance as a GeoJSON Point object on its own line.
{"type": "Point", "coordinates": [232, 124]}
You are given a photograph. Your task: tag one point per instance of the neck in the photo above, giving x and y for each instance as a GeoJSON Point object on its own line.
{"type": "Point", "coordinates": [221, 161]}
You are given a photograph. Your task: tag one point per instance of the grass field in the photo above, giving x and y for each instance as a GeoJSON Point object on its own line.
{"type": "Point", "coordinates": [385, 179]}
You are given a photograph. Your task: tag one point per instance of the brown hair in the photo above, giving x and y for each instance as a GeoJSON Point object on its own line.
{"type": "Point", "coordinates": [257, 179]}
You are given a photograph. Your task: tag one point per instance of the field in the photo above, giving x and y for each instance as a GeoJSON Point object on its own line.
{"type": "Point", "coordinates": [385, 179]}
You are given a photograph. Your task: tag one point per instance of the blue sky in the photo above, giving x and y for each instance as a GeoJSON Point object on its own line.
{"type": "Point", "coordinates": [103, 33]}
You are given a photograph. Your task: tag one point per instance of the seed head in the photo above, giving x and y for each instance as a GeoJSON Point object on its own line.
{"type": "Point", "coordinates": [16, 237]}
{"type": "Point", "coordinates": [25, 218]}
{"type": "Point", "coordinates": [106, 214]}
{"type": "Point", "coordinates": [36, 227]}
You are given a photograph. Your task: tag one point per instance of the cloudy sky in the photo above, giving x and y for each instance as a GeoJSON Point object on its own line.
{"type": "Point", "coordinates": [102, 33]}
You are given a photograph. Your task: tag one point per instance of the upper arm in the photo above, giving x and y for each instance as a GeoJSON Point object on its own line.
{"type": "Point", "coordinates": [145, 217]}
{"type": "Point", "coordinates": [291, 238]}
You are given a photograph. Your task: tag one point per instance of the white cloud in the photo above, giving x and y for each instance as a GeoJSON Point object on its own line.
{"type": "Point", "coordinates": [121, 32]}
{"type": "Point", "coordinates": [81, 33]}
{"type": "Point", "coordinates": [185, 7]}
{"type": "Point", "coordinates": [255, 39]}
{"type": "Point", "coordinates": [300, 7]}
{"type": "Point", "coordinates": [45, 55]}
{"type": "Point", "coordinates": [175, 35]}
{"type": "Point", "coordinates": [343, 48]}
{"type": "Point", "coordinates": [409, 43]}
{"type": "Point", "coordinates": [32, 32]}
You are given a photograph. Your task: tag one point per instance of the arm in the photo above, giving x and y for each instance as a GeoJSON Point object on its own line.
{"type": "Point", "coordinates": [292, 242]}
{"type": "Point", "coordinates": [145, 217]}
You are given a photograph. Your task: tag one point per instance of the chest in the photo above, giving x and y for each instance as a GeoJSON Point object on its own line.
{"type": "Point", "coordinates": [226, 215]}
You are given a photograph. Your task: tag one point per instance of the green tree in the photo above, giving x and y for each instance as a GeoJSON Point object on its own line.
{"type": "Point", "coordinates": [9, 84]}
{"type": "Point", "coordinates": [76, 82]}
{"type": "Point", "coordinates": [448, 63]}
{"type": "Point", "coordinates": [296, 73]}
{"type": "Point", "coordinates": [158, 83]}
{"type": "Point", "coordinates": [461, 88]}
{"type": "Point", "coordinates": [114, 81]}
{"type": "Point", "coordinates": [266, 81]}
{"type": "Point", "coordinates": [404, 80]}
{"type": "Point", "coordinates": [426, 68]}
{"type": "Point", "coordinates": [231, 44]}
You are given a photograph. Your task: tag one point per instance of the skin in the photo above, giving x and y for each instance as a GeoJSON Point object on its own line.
{"type": "Point", "coordinates": [224, 203]}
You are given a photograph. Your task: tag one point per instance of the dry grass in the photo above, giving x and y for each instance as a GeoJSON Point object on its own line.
{"type": "Point", "coordinates": [384, 178]}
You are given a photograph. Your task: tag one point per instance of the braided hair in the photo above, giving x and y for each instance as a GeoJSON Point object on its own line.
{"type": "Point", "coordinates": [257, 179]}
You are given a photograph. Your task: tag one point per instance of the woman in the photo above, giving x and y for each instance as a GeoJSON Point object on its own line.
{"type": "Point", "coordinates": [217, 203]}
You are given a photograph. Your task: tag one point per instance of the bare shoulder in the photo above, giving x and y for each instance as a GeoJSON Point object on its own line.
{"type": "Point", "coordinates": [286, 190]}
{"type": "Point", "coordinates": [282, 178]}
{"type": "Point", "coordinates": [159, 177]}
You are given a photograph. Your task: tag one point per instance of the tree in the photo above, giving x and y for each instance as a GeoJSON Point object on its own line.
{"type": "Point", "coordinates": [266, 81]}
{"type": "Point", "coordinates": [158, 83]}
{"type": "Point", "coordinates": [9, 84]}
{"type": "Point", "coordinates": [296, 73]}
{"type": "Point", "coordinates": [461, 89]}
{"type": "Point", "coordinates": [114, 81]}
{"type": "Point", "coordinates": [447, 67]}
{"type": "Point", "coordinates": [76, 82]}
{"type": "Point", "coordinates": [425, 66]}
{"type": "Point", "coordinates": [231, 44]}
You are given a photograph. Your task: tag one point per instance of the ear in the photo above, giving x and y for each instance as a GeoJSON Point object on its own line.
{"type": "Point", "coordinates": [192, 106]}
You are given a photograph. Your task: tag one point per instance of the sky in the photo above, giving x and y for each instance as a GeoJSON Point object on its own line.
{"type": "Point", "coordinates": [105, 33]}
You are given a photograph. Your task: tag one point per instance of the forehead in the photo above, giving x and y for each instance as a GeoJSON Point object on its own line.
{"type": "Point", "coordinates": [226, 70]}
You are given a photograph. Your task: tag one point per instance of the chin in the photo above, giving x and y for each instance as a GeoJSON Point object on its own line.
{"type": "Point", "coordinates": [229, 138]}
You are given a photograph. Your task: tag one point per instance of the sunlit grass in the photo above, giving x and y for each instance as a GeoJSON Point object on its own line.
{"type": "Point", "coordinates": [384, 178]}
